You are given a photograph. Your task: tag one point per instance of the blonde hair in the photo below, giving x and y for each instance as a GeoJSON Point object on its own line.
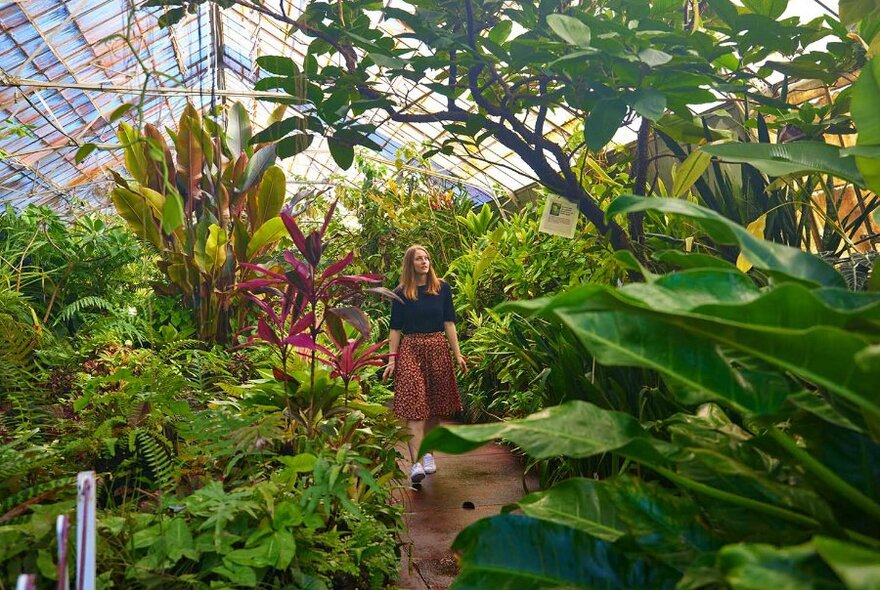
{"type": "Point", "coordinates": [408, 285]}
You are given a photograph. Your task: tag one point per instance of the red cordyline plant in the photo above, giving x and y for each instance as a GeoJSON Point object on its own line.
{"type": "Point", "coordinates": [301, 302]}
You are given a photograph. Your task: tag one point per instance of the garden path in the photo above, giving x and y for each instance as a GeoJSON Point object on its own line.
{"type": "Point", "coordinates": [486, 478]}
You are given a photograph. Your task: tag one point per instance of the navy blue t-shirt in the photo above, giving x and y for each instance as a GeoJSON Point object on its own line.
{"type": "Point", "coordinates": [424, 315]}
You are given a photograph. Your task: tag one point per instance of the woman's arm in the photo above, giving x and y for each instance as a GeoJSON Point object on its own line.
{"type": "Point", "coordinates": [452, 337]}
{"type": "Point", "coordinates": [393, 344]}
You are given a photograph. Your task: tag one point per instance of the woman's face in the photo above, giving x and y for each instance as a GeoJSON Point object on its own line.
{"type": "Point", "coordinates": [421, 262]}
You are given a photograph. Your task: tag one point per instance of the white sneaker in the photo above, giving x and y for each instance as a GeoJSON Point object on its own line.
{"type": "Point", "coordinates": [417, 473]}
{"type": "Point", "coordinates": [430, 466]}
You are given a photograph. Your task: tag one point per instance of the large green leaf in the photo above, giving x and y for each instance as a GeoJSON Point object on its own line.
{"type": "Point", "coordinates": [765, 567]}
{"type": "Point", "coordinates": [215, 248]}
{"type": "Point", "coordinates": [268, 233]}
{"type": "Point", "coordinates": [852, 11]}
{"type": "Point", "coordinates": [270, 196]}
{"type": "Point", "coordinates": [509, 552]}
{"type": "Point", "coordinates": [138, 213]}
{"type": "Point", "coordinates": [604, 121]}
{"type": "Point", "coordinates": [695, 363]}
{"type": "Point", "coordinates": [573, 429]}
{"type": "Point", "coordinates": [652, 516]}
{"type": "Point", "coordinates": [570, 29]}
{"type": "Point", "coordinates": [865, 97]}
{"type": "Point", "coordinates": [238, 131]}
{"type": "Point", "coordinates": [800, 158]}
{"type": "Point", "coordinates": [136, 161]}
{"type": "Point", "coordinates": [857, 566]}
{"type": "Point", "coordinates": [777, 259]}
{"type": "Point", "coordinates": [172, 213]}
{"type": "Point", "coordinates": [256, 166]}
{"type": "Point", "coordinates": [577, 503]}
{"type": "Point", "coordinates": [690, 170]}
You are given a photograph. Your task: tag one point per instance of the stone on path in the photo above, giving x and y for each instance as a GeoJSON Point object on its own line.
{"type": "Point", "coordinates": [487, 478]}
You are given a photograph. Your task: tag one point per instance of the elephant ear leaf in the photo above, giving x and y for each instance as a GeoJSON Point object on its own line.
{"type": "Point", "coordinates": [783, 262]}
{"type": "Point", "coordinates": [514, 551]}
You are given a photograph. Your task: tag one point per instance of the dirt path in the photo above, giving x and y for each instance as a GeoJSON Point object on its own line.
{"type": "Point", "coordinates": [465, 489]}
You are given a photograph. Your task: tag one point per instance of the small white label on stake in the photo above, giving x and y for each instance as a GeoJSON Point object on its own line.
{"type": "Point", "coordinates": [560, 217]}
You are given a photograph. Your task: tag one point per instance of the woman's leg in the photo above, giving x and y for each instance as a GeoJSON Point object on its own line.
{"type": "Point", "coordinates": [417, 430]}
{"type": "Point", "coordinates": [429, 425]}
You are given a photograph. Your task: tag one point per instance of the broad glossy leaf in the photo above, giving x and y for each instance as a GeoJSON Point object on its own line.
{"type": "Point", "coordinates": [279, 65]}
{"type": "Point", "coordinates": [280, 129]}
{"type": "Point", "coordinates": [798, 158]}
{"type": "Point", "coordinates": [268, 233]}
{"type": "Point", "coordinates": [783, 261]}
{"type": "Point", "coordinates": [857, 566]}
{"type": "Point", "coordinates": [573, 429]}
{"type": "Point", "coordinates": [172, 213]}
{"type": "Point", "coordinates": [656, 518]}
{"type": "Point", "coordinates": [139, 215]}
{"type": "Point", "coordinates": [577, 503]}
{"type": "Point", "coordinates": [852, 11]}
{"type": "Point", "coordinates": [215, 248]}
{"type": "Point", "coordinates": [649, 103]}
{"type": "Point", "coordinates": [570, 29]}
{"type": "Point", "coordinates": [603, 122]}
{"type": "Point", "coordinates": [654, 57]}
{"type": "Point", "coordinates": [135, 158]}
{"type": "Point", "coordinates": [501, 31]}
{"type": "Point", "coordinates": [865, 96]}
{"type": "Point", "coordinates": [514, 552]}
{"type": "Point", "coordinates": [627, 339]}
{"type": "Point", "coordinates": [343, 153]}
{"type": "Point", "coordinates": [269, 197]}
{"type": "Point", "coordinates": [256, 166]}
{"type": "Point", "coordinates": [238, 131]}
{"type": "Point", "coordinates": [769, 8]}
{"type": "Point", "coordinates": [689, 171]}
{"type": "Point", "coordinates": [83, 152]}
{"type": "Point", "coordinates": [761, 567]}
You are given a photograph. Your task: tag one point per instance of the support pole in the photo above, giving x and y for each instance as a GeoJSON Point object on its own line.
{"type": "Point", "coordinates": [85, 530]}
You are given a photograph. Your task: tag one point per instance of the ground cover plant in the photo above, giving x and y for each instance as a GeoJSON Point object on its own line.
{"type": "Point", "coordinates": [216, 466]}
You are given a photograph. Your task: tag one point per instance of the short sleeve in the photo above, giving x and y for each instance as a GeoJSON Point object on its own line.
{"type": "Point", "coordinates": [448, 309]}
{"type": "Point", "coordinates": [396, 315]}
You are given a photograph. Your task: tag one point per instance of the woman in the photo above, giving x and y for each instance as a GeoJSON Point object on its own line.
{"type": "Point", "coordinates": [422, 332]}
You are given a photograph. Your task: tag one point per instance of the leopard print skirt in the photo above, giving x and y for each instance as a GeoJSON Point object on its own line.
{"type": "Point", "coordinates": [424, 378]}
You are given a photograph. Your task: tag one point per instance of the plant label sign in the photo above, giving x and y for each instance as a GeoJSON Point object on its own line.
{"type": "Point", "coordinates": [560, 217]}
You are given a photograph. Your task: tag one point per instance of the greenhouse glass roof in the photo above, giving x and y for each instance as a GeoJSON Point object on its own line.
{"type": "Point", "coordinates": [65, 67]}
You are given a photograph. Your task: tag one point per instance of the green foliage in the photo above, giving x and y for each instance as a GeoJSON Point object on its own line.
{"type": "Point", "coordinates": [780, 371]}
{"type": "Point", "coordinates": [202, 226]}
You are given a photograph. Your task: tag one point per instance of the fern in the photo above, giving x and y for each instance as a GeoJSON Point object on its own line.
{"type": "Point", "coordinates": [19, 503]}
{"type": "Point", "coordinates": [153, 448]}
{"type": "Point", "coordinates": [90, 301]}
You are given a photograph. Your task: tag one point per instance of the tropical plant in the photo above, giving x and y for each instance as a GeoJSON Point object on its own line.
{"type": "Point", "coordinates": [603, 62]}
{"type": "Point", "coordinates": [747, 478]}
{"type": "Point", "coordinates": [207, 209]}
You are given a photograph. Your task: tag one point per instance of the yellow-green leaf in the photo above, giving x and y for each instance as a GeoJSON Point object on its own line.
{"type": "Point", "coordinates": [135, 158]}
{"type": "Point", "coordinates": [215, 248]}
{"type": "Point", "coordinates": [268, 233]}
{"type": "Point", "coordinates": [134, 209]}
{"type": "Point", "coordinates": [172, 213]}
{"type": "Point", "coordinates": [690, 172]}
{"type": "Point", "coordinates": [270, 196]}
{"type": "Point", "coordinates": [756, 228]}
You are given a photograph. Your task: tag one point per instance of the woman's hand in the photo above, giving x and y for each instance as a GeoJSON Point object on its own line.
{"type": "Point", "coordinates": [462, 363]}
{"type": "Point", "coordinates": [389, 369]}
